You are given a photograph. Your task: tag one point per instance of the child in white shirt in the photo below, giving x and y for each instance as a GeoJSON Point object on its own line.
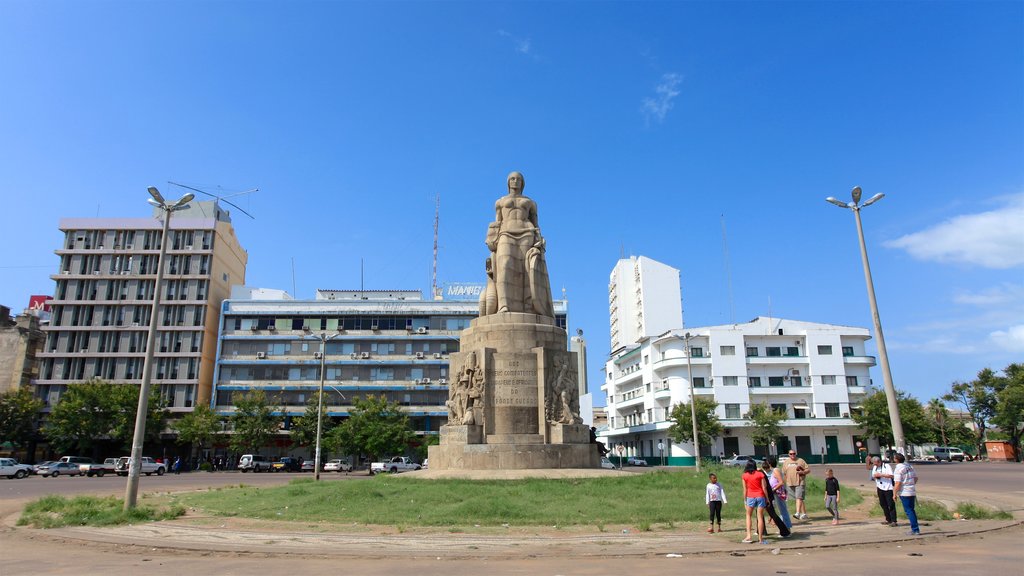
{"type": "Point", "coordinates": [714, 497]}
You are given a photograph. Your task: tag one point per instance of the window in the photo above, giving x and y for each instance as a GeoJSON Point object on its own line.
{"type": "Point", "coordinates": [779, 409]}
{"type": "Point", "coordinates": [775, 381]}
{"type": "Point", "coordinates": [828, 380]}
{"type": "Point", "coordinates": [773, 351]}
{"type": "Point", "coordinates": [851, 381]}
{"type": "Point", "coordinates": [754, 381]}
{"type": "Point", "coordinates": [730, 381]}
{"type": "Point", "coordinates": [727, 350]}
{"type": "Point", "coordinates": [792, 351]}
{"type": "Point", "coordinates": [752, 351]}
{"type": "Point", "coordinates": [824, 350]}
{"type": "Point", "coordinates": [847, 350]}
{"type": "Point", "coordinates": [732, 410]}
{"type": "Point", "coordinates": [698, 382]}
{"type": "Point", "coordinates": [831, 410]}
{"type": "Point", "coordinates": [696, 352]}
{"type": "Point", "coordinates": [647, 359]}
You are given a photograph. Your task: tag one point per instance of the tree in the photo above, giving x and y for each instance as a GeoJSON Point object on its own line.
{"type": "Point", "coordinates": [199, 427]}
{"type": "Point", "coordinates": [97, 410]}
{"type": "Point", "coordinates": [766, 425]}
{"type": "Point", "coordinates": [303, 429]}
{"type": "Point", "coordinates": [1009, 410]}
{"type": "Point", "coordinates": [874, 418]}
{"type": "Point", "coordinates": [19, 411]}
{"type": "Point", "coordinates": [979, 399]}
{"type": "Point", "coordinates": [253, 422]}
{"type": "Point", "coordinates": [374, 427]}
{"type": "Point", "coordinates": [708, 425]}
{"type": "Point", "coordinates": [939, 417]}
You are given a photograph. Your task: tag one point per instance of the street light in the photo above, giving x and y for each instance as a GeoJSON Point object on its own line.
{"type": "Point", "coordinates": [693, 402]}
{"type": "Point", "coordinates": [323, 338]}
{"type": "Point", "coordinates": [890, 390]}
{"type": "Point", "coordinates": [131, 491]}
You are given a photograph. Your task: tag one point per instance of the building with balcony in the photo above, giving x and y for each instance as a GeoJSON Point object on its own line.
{"type": "Point", "coordinates": [390, 343]}
{"type": "Point", "coordinates": [21, 340]}
{"type": "Point", "coordinates": [102, 303]}
{"type": "Point", "coordinates": [643, 300]}
{"type": "Point", "coordinates": [814, 374]}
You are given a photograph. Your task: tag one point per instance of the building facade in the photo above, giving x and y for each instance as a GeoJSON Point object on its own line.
{"type": "Point", "coordinates": [21, 340]}
{"type": "Point", "coordinates": [389, 343]}
{"type": "Point", "coordinates": [102, 303]}
{"type": "Point", "coordinates": [644, 299]}
{"type": "Point", "coordinates": [815, 374]}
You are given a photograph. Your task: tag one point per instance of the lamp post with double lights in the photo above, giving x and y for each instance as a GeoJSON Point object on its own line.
{"type": "Point", "coordinates": [693, 401]}
{"type": "Point", "coordinates": [890, 390]}
{"type": "Point", "coordinates": [131, 492]}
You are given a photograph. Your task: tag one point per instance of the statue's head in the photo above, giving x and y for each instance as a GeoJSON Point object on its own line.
{"type": "Point", "coordinates": [516, 182]}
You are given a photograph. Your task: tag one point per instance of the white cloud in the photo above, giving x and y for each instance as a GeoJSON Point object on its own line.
{"type": "Point", "coordinates": [522, 45]}
{"type": "Point", "coordinates": [664, 93]}
{"type": "Point", "coordinates": [996, 296]}
{"type": "Point", "coordinates": [1011, 339]}
{"type": "Point", "coordinates": [993, 239]}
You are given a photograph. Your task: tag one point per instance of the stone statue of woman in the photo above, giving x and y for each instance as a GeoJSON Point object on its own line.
{"type": "Point", "coordinates": [520, 272]}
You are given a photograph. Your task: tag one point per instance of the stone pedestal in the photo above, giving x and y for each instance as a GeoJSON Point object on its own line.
{"type": "Point", "coordinates": [514, 391]}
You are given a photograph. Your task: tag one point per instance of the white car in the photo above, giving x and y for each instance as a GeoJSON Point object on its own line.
{"type": "Point", "coordinates": [606, 463]}
{"type": "Point", "coordinates": [337, 466]}
{"type": "Point", "coordinates": [9, 467]}
{"type": "Point", "coordinates": [632, 461]}
{"type": "Point", "coordinates": [741, 461]}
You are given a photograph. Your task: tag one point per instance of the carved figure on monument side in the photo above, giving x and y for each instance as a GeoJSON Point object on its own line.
{"type": "Point", "coordinates": [514, 238]}
{"type": "Point", "coordinates": [474, 397]}
{"type": "Point", "coordinates": [489, 296]}
{"type": "Point", "coordinates": [562, 404]}
{"type": "Point", "coordinates": [459, 389]}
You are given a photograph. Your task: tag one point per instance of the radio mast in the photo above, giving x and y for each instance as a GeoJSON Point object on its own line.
{"type": "Point", "coordinates": [435, 291]}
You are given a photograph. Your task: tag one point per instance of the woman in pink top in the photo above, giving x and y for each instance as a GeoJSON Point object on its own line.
{"type": "Point", "coordinates": [755, 490]}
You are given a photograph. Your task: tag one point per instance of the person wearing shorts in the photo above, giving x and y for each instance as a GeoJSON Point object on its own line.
{"type": "Point", "coordinates": [795, 472]}
{"type": "Point", "coordinates": [755, 492]}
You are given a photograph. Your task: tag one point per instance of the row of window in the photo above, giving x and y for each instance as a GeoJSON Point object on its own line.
{"type": "Point", "coordinates": [354, 372]}
{"type": "Point", "coordinates": [732, 411]}
{"type": "Point", "coordinates": [770, 351]}
{"type": "Point", "coordinates": [291, 398]}
{"type": "Point", "coordinates": [344, 348]}
{"type": "Point", "coordinates": [136, 240]}
{"type": "Point", "coordinates": [115, 369]}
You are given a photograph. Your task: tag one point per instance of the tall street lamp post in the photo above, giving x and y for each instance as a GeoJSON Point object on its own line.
{"type": "Point", "coordinates": [323, 338]}
{"type": "Point", "coordinates": [131, 491]}
{"type": "Point", "coordinates": [693, 401]}
{"type": "Point", "coordinates": [890, 390]}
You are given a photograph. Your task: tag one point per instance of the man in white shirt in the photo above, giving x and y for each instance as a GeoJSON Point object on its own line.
{"type": "Point", "coordinates": [881, 473]}
{"type": "Point", "coordinates": [904, 479]}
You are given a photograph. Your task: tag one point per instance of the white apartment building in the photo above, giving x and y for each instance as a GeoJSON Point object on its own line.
{"type": "Point", "coordinates": [817, 374]}
{"type": "Point", "coordinates": [643, 300]}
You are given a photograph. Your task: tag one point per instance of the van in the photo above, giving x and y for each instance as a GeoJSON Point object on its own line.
{"type": "Point", "coordinates": [948, 454]}
{"type": "Point", "coordinates": [76, 460]}
{"type": "Point", "coordinates": [253, 462]}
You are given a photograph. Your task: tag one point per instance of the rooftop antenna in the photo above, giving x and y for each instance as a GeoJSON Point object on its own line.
{"type": "Point", "coordinates": [435, 292]}
{"type": "Point", "coordinates": [728, 273]}
{"type": "Point", "coordinates": [222, 198]}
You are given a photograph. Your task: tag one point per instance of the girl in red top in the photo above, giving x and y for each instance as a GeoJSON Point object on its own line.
{"type": "Point", "coordinates": [755, 490]}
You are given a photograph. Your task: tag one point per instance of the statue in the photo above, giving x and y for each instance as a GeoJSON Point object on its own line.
{"type": "Point", "coordinates": [465, 393]}
{"type": "Point", "coordinates": [562, 402]}
{"type": "Point", "coordinates": [517, 254]}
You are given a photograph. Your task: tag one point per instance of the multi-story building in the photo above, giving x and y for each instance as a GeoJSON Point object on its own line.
{"type": "Point", "coordinates": [102, 303]}
{"type": "Point", "coordinates": [21, 339]}
{"type": "Point", "coordinates": [381, 342]}
{"type": "Point", "coordinates": [643, 300]}
{"type": "Point", "coordinates": [814, 374]}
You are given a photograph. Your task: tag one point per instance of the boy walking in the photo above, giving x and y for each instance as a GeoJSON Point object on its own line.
{"type": "Point", "coordinates": [832, 495]}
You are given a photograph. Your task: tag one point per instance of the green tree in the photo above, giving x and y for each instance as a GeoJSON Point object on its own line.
{"type": "Point", "coordinates": [708, 425]}
{"type": "Point", "coordinates": [19, 411]}
{"type": "Point", "coordinates": [375, 427]}
{"type": "Point", "coordinates": [98, 410]}
{"type": "Point", "coordinates": [198, 428]}
{"type": "Point", "coordinates": [766, 425]}
{"type": "Point", "coordinates": [874, 418]}
{"type": "Point", "coordinates": [1009, 411]}
{"type": "Point", "coordinates": [978, 397]}
{"type": "Point", "coordinates": [939, 417]}
{"type": "Point", "coordinates": [253, 421]}
{"type": "Point", "coordinates": [303, 428]}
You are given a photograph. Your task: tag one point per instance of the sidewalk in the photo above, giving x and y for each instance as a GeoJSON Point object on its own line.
{"type": "Point", "coordinates": [516, 543]}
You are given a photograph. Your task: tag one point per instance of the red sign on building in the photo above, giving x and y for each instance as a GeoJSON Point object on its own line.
{"type": "Point", "coordinates": [39, 303]}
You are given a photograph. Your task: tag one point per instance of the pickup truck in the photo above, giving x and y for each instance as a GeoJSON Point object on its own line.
{"type": "Point", "coordinates": [109, 466]}
{"type": "Point", "coordinates": [395, 465]}
{"type": "Point", "coordinates": [148, 466]}
{"type": "Point", "coordinates": [9, 467]}
{"type": "Point", "coordinates": [287, 464]}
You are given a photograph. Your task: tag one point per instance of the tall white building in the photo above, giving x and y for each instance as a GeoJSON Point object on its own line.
{"type": "Point", "coordinates": [644, 299]}
{"type": "Point", "coordinates": [816, 374]}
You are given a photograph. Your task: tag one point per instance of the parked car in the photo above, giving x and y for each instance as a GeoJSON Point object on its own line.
{"type": "Point", "coordinates": [147, 466]}
{"type": "Point", "coordinates": [287, 464]}
{"type": "Point", "coordinates": [337, 466]}
{"type": "Point", "coordinates": [741, 461]}
{"type": "Point", "coordinates": [36, 467]}
{"type": "Point", "coordinates": [76, 459]}
{"type": "Point", "coordinates": [606, 463]}
{"type": "Point", "coordinates": [308, 466]}
{"type": "Point", "coordinates": [394, 465]}
{"type": "Point", "coordinates": [60, 469]}
{"type": "Point", "coordinates": [948, 454]}
{"type": "Point", "coordinates": [109, 466]}
{"type": "Point", "coordinates": [253, 463]}
{"type": "Point", "coordinates": [12, 469]}
{"type": "Point", "coordinates": [633, 461]}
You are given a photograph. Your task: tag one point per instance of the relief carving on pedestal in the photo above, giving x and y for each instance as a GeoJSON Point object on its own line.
{"type": "Point", "coordinates": [561, 400]}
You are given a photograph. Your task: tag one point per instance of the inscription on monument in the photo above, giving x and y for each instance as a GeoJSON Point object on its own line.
{"type": "Point", "coordinates": [515, 380]}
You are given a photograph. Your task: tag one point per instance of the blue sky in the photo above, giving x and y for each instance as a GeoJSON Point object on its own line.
{"type": "Point", "coordinates": [641, 128]}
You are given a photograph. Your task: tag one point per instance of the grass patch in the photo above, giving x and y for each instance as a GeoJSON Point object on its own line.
{"type": "Point", "coordinates": [640, 500]}
{"type": "Point", "coordinates": [971, 511]}
{"type": "Point", "coordinates": [57, 511]}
